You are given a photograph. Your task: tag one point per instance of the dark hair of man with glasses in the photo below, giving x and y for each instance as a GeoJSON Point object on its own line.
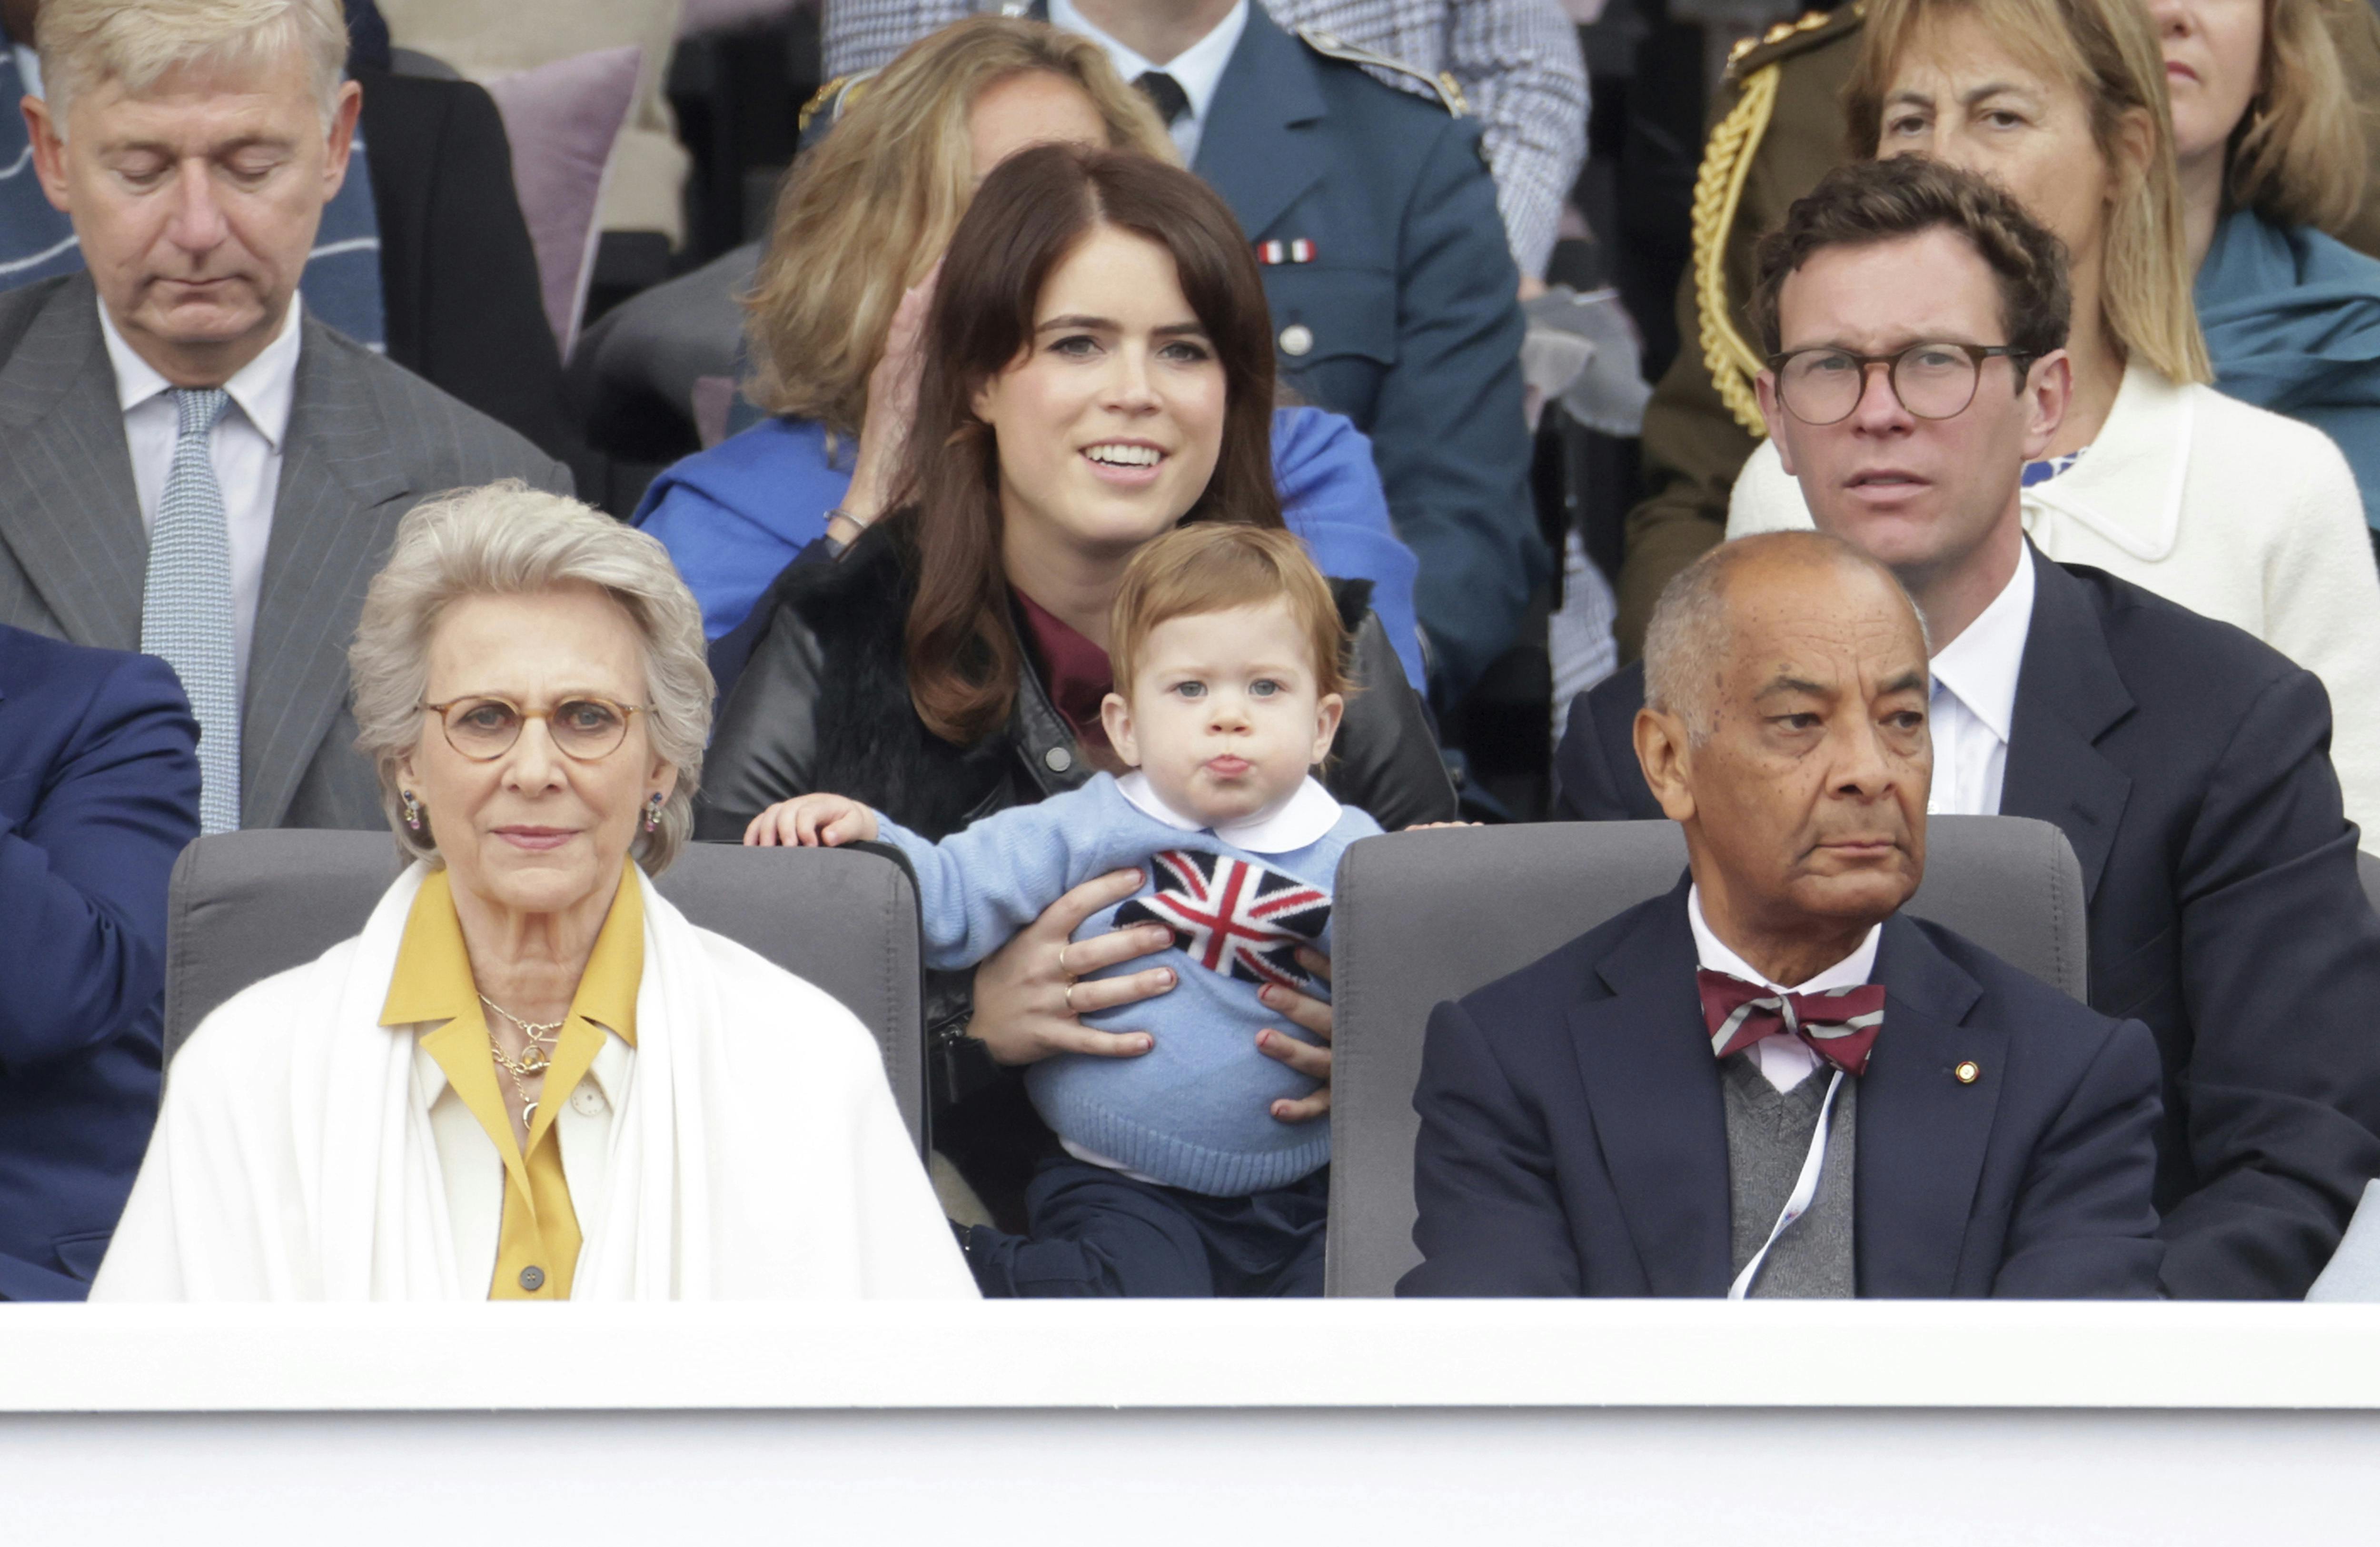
{"type": "Point", "coordinates": [1915, 320]}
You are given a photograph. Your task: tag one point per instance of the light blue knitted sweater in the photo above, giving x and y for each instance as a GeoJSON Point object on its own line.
{"type": "Point", "coordinates": [1194, 1111]}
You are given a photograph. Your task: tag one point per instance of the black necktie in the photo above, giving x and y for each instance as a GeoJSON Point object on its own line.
{"type": "Point", "coordinates": [1172, 102]}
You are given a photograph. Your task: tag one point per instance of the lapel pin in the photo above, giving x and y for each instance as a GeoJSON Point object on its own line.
{"type": "Point", "coordinates": [1968, 1072]}
{"type": "Point", "coordinates": [1296, 250]}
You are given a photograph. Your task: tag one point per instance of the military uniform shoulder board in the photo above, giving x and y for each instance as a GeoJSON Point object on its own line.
{"type": "Point", "coordinates": [1787, 38]}
{"type": "Point", "coordinates": [1440, 85]}
{"type": "Point", "coordinates": [833, 97]}
{"type": "Point", "coordinates": [1728, 154]}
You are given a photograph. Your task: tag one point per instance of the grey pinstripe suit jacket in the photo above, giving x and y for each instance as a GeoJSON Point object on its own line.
{"type": "Point", "coordinates": [367, 441]}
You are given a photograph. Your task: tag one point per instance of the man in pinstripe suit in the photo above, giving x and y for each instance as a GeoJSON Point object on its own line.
{"type": "Point", "coordinates": [190, 463]}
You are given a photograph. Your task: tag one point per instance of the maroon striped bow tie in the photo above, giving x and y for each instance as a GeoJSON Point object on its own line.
{"type": "Point", "coordinates": [1838, 1024]}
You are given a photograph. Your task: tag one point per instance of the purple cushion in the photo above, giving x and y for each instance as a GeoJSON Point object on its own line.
{"type": "Point", "coordinates": [564, 119]}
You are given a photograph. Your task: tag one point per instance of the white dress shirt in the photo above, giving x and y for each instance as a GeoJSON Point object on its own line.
{"type": "Point", "coordinates": [474, 1173]}
{"type": "Point", "coordinates": [246, 448]}
{"type": "Point", "coordinates": [1974, 700]}
{"type": "Point", "coordinates": [1198, 70]}
{"type": "Point", "coordinates": [1783, 1060]}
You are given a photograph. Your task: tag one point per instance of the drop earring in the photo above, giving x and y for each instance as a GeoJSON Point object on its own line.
{"type": "Point", "coordinates": [412, 810]}
{"type": "Point", "coordinates": [653, 813]}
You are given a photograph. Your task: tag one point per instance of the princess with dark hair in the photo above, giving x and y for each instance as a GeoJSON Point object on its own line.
{"type": "Point", "coordinates": [1099, 368]}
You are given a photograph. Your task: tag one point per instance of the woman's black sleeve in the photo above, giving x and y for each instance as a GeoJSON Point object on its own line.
{"type": "Point", "coordinates": [764, 748]}
{"type": "Point", "coordinates": [1385, 759]}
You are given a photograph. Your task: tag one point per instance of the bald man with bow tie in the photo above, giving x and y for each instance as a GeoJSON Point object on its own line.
{"type": "Point", "coordinates": [1768, 1083]}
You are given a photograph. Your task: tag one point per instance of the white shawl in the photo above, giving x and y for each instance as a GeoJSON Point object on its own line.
{"type": "Point", "coordinates": [759, 1154]}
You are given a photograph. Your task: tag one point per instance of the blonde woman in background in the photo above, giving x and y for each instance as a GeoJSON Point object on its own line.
{"type": "Point", "coordinates": [2240, 514]}
{"type": "Point", "coordinates": [835, 311]}
{"type": "Point", "coordinates": [529, 1077]}
{"type": "Point", "coordinates": [2273, 160]}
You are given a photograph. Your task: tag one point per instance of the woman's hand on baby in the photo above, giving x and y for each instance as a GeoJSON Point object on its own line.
{"type": "Point", "coordinates": [813, 822]}
{"type": "Point", "coordinates": [1029, 991]}
{"type": "Point", "coordinates": [1310, 1015]}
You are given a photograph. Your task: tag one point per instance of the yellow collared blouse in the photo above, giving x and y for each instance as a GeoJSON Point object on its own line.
{"type": "Point", "coordinates": [538, 1242]}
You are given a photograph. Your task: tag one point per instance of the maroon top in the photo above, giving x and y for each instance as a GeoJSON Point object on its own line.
{"type": "Point", "coordinates": [1075, 670]}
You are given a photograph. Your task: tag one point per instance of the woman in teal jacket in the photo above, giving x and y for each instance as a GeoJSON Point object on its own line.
{"type": "Point", "coordinates": [2273, 160]}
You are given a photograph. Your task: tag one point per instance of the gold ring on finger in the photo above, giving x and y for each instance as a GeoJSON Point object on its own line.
{"type": "Point", "coordinates": [1061, 963]}
{"type": "Point", "coordinates": [1070, 999]}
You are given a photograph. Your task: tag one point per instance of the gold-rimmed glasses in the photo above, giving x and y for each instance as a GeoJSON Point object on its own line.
{"type": "Point", "coordinates": [586, 728]}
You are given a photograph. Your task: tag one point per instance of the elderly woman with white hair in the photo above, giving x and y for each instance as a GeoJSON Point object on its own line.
{"type": "Point", "coordinates": [529, 1077]}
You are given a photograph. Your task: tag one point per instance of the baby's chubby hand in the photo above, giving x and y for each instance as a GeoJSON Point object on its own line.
{"type": "Point", "coordinates": [813, 822]}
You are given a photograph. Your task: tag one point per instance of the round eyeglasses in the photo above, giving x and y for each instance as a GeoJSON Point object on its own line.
{"type": "Point", "coordinates": [483, 727]}
{"type": "Point", "coordinates": [1931, 381]}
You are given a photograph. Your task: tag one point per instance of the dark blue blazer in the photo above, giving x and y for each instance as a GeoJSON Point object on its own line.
{"type": "Point", "coordinates": [1573, 1139]}
{"type": "Point", "coordinates": [99, 792]}
{"type": "Point", "coordinates": [2189, 766]}
{"type": "Point", "coordinates": [1411, 305]}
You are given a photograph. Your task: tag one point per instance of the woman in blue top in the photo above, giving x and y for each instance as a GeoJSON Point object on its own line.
{"type": "Point", "coordinates": [837, 310]}
{"type": "Point", "coordinates": [2273, 161]}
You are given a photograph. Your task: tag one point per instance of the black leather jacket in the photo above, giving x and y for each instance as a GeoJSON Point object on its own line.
{"type": "Point", "coordinates": [824, 704]}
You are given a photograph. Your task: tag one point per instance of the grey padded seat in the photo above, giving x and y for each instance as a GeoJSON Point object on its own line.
{"type": "Point", "coordinates": [1425, 917]}
{"type": "Point", "coordinates": [244, 905]}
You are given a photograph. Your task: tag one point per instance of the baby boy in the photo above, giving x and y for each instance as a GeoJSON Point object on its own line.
{"type": "Point", "coordinates": [1227, 647]}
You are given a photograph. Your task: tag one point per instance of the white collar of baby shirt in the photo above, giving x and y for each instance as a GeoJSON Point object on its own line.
{"type": "Point", "coordinates": [1297, 823]}
{"type": "Point", "coordinates": [1783, 1061]}
{"type": "Point", "coordinates": [1974, 699]}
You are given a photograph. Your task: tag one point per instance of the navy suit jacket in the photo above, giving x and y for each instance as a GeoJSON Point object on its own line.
{"type": "Point", "coordinates": [1411, 306]}
{"type": "Point", "coordinates": [1574, 1137]}
{"type": "Point", "coordinates": [99, 792]}
{"type": "Point", "coordinates": [2189, 766]}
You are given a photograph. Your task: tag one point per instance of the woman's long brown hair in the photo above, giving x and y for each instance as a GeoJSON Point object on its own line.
{"type": "Point", "coordinates": [1030, 212]}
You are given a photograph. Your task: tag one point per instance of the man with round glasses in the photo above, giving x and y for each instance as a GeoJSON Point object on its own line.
{"type": "Point", "coordinates": [1915, 320]}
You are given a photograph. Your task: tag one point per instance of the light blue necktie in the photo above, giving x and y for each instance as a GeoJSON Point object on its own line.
{"type": "Point", "coordinates": [186, 608]}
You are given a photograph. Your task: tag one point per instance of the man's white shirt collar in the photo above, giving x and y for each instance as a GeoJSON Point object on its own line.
{"type": "Point", "coordinates": [1783, 1061]}
{"type": "Point", "coordinates": [1296, 823]}
{"type": "Point", "coordinates": [1983, 664]}
{"type": "Point", "coordinates": [263, 388]}
{"type": "Point", "coordinates": [1198, 70]}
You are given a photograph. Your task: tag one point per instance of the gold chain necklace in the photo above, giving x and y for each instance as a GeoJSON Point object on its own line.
{"type": "Point", "coordinates": [534, 1060]}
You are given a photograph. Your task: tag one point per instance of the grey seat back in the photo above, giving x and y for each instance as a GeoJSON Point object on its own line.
{"type": "Point", "coordinates": [244, 905]}
{"type": "Point", "coordinates": [1425, 917]}
{"type": "Point", "coordinates": [2367, 871]}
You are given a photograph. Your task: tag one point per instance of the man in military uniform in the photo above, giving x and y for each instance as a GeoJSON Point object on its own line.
{"type": "Point", "coordinates": [1777, 127]}
{"type": "Point", "coordinates": [1392, 290]}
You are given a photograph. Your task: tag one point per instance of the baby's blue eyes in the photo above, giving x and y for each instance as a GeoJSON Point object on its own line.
{"type": "Point", "coordinates": [1263, 687]}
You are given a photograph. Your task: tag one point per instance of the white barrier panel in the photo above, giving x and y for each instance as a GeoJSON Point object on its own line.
{"type": "Point", "coordinates": [1680, 1421]}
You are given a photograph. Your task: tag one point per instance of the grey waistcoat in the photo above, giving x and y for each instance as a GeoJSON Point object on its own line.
{"type": "Point", "coordinates": [1767, 1137]}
